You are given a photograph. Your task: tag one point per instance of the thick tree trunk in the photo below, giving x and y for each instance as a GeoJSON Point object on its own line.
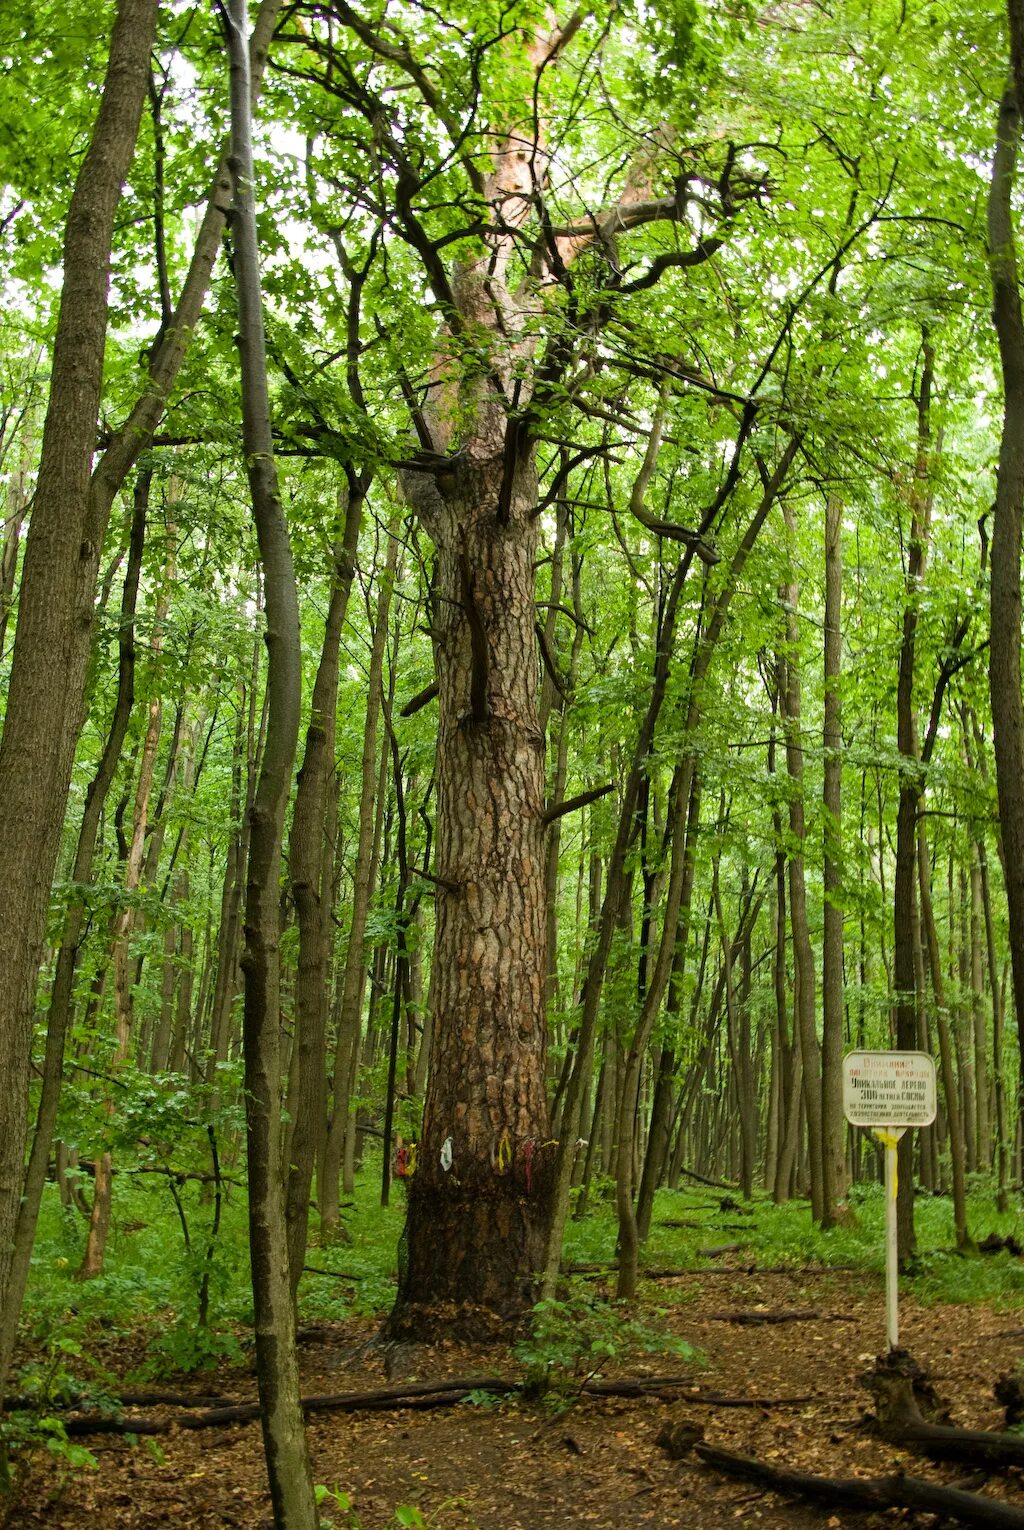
{"type": "Point", "coordinates": [478, 1201]}
{"type": "Point", "coordinates": [55, 607]}
{"type": "Point", "coordinates": [59, 1012]}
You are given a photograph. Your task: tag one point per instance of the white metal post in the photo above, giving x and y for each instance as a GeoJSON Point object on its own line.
{"type": "Point", "coordinates": [878, 1089]}
{"type": "Point", "coordinates": [892, 1315]}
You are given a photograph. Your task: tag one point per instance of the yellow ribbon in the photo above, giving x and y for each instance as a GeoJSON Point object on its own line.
{"type": "Point", "coordinates": [411, 1160]}
{"type": "Point", "coordinates": [503, 1157]}
{"type": "Point", "coordinates": [889, 1141]}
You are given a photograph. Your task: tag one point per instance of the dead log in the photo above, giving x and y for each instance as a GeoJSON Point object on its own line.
{"type": "Point", "coordinates": [898, 1386]}
{"type": "Point", "coordinates": [702, 1179]}
{"type": "Point", "coordinates": [719, 1250]}
{"type": "Point", "coordinates": [423, 1394]}
{"type": "Point", "coordinates": [756, 1319]}
{"type": "Point", "coordinates": [895, 1492]}
{"type": "Point", "coordinates": [704, 1399]}
{"type": "Point", "coordinates": [994, 1244]}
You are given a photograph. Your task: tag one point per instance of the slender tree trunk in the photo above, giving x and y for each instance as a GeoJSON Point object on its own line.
{"type": "Point", "coordinates": [661, 1107]}
{"type": "Point", "coordinates": [288, 1469]}
{"type": "Point", "coordinates": [803, 956]}
{"type": "Point", "coordinates": [739, 1053]}
{"type": "Point", "coordinates": [979, 1037]}
{"type": "Point", "coordinates": [911, 788]}
{"type": "Point", "coordinates": [342, 1126]}
{"type": "Point", "coordinates": [615, 881]}
{"type": "Point", "coordinates": [311, 867]}
{"type": "Point", "coordinates": [629, 1242]}
{"type": "Point", "coordinates": [953, 1117]}
{"type": "Point", "coordinates": [18, 499]}
{"type": "Point", "coordinates": [832, 1128]}
{"type": "Point", "coordinates": [1005, 597]}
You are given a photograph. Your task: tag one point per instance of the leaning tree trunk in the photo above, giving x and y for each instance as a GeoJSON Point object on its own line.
{"type": "Point", "coordinates": [277, 1370]}
{"type": "Point", "coordinates": [1004, 654]}
{"type": "Point", "coordinates": [54, 611]}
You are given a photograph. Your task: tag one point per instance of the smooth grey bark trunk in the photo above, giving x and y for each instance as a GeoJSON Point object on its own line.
{"type": "Point", "coordinates": [18, 500]}
{"type": "Point", "coordinates": [805, 1007]}
{"type": "Point", "coordinates": [832, 1127]}
{"type": "Point", "coordinates": [311, 866]}
{"type": "Point", "coordinates": [339, 1146]}
{"type": "Point", "coordinates": [910, 790]}
{"type": "Point", "coordinates": [1005, 588]}
{"type": "Point", "coordinates": [954, 1119]}
{"type": "Point", "coordinates": [277, 1370]}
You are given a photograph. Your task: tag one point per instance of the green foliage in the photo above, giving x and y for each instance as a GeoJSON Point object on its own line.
{"type": "Point", "coordinates": [572, 1340]}
{"type": "Point", "coordinates": [186, 1346]}
{"type": "Point", "coordinates": [45, 1385]}
{"type": "Point", "coordinates": [405, 1517]}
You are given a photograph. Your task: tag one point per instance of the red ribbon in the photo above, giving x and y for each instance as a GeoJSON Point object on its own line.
{"type": "Point", "coordinates": [528, 1164]}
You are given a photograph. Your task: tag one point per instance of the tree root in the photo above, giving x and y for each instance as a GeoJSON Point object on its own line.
{"type": "Point", "coordinates": [899, 1387]}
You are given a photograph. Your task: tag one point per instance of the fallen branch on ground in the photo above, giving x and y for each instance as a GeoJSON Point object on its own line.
{"type": "Point", "coordinates": [423, 1394]}
{"type": "Point", "coordinates": [756, 1319]}
{"type": "Point", "coordinates": [895, 1492]}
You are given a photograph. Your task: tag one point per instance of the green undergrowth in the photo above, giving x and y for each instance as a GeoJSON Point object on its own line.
{"type": "Point", "coordinates": [148, 1298]}
{"type": "Point", "coordinates": [770, 1236]}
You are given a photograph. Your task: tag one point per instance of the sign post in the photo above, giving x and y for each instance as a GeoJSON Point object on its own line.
{"type": "Point", "coordinates": [889, 1092]}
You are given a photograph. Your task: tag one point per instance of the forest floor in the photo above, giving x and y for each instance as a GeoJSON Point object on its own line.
{"type": "Point", "coordinates": [519, 1466]}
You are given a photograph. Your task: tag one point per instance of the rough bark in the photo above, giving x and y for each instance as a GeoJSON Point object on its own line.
{"type": "Point", "coordinates": [59, 1010]}
{"type": "Point", "coordinates": [478, 1201]}
{"type": "Point", "coordinates": [55, 608]}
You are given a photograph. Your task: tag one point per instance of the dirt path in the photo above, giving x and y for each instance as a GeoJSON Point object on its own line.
{"type": "Point", "coordinates": [520, 1468]}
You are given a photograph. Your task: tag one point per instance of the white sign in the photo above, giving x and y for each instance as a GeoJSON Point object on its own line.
{"type": "Point", "coordinates": [889, 1088]}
